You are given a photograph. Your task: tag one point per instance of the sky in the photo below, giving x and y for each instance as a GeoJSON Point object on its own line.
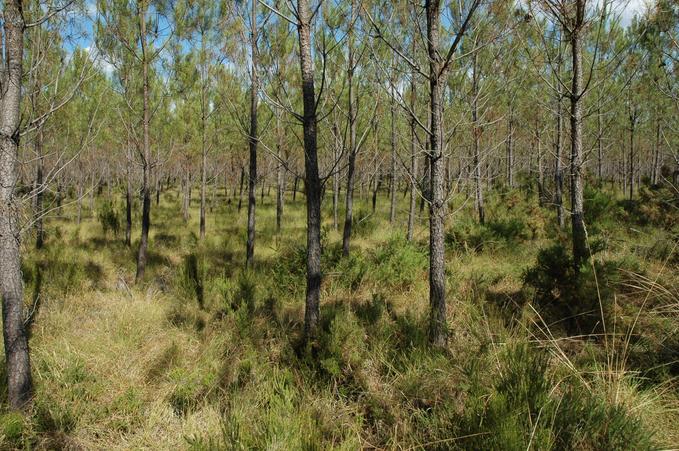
{"type": "Point", "coordinates": [627, 9]}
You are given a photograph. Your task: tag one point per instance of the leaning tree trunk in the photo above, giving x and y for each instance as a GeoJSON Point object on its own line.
{"type": "Point", "coordinates": [312, 179]}
{"type": "Point", "coordinates": [577, 202]}
{"type": "Point", "coordinates": [17, 361]}
{"type": "Point", "coordinates": [146, 163]}
{"type": "Point", "coordinates": [253, 140]}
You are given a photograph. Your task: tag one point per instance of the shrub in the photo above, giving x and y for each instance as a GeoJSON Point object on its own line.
{"type": "Point", "coordinates": [576, 299]}
{"type": "Point", "coordinates": [399, 263]}
{"type": "Point", "coordinates": [494, 234]}
{"type": "Point", "coordinates": [364, 223]}
{"type": "Point", "coordinates": [12, 429]}
{"type": "Point", "coordinates": [343, 347]}
{"type": "Point", "coordinates": [352, 270]}
{"type": "Point", "coordinates": [108, 218]}
{"type": "Point", "coordinates": [191, 278]}
{"type": "Point", "coordinates": [524, 409]}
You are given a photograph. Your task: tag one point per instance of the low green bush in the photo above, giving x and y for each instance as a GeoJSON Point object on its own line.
{"type": "Point", "coordinates": [108, 218]}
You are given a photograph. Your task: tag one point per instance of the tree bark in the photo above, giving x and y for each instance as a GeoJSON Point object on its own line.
{"type": "Point", "coordinates": [40, 193]}
{"type": "Point", "coordinates": [280, 185]}
{"type": "Point", "coordinates": [312, 179]}
{"type": "Point", "coordinates": [577, 202]}
{"type": "Point", "coordinates": [558, 170]}
{"type": "Point", "coordinates": [335, 177]}
{"type": "Point", "coordinates": [392, 194]}
{"type": "Point", "coordinates": [240, 189]}
{"type": "Point", "coordinates": [128, 199]}
{"type": "Point", "coordinates": [353, 150]}
{"type": "Point", "coordinates": [146, 163]}
{"type": "Point", "coordinates": [476, 131]}
{"type": "Point", "coordinates": [413, 148]}
{"type": "Point", "coordinates": [510, 147]}
{"type": "Point", "coordinates": [656, 154]}
{"type": "Point", "coordinates": [253, 141]}
{"type": "Point", "coordinates": [438, 334]}
{"type": "Point", "coordinates": [17, 360]}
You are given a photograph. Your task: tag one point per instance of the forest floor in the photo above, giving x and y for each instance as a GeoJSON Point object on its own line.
{"type": "Point", "coordinates": [204, 355]}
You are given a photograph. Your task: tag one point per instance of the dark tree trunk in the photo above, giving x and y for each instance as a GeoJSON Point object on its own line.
{"type": "Point", "coordinates": [240, 190]}
{"type": "Point", "coordinates": [633, 116]}
{"type": "Point", "coordinates": [510, 147]}
{"type": "Point", "coordinates": [353, 150]}
{"type": "Point", "coordinates": [476, 131]}
{"type": "Point", "coordinates": [203, 183]}
{"type": "Point", "coordinates": [599, 140]}
{"type": "Point", "coordinates": [577, 202]}
{"type": "Point", "coordinates": [655, 174]}
{"type": "Point", "coordinates": [253, 141]}
{"type": "Point", "coordinates": [17, 361]}
{"type": "Point", "coordinates": [146, 163]}
{"type": "Point", "coordinates": [336, 176]}
{"type": "Point", "coordinates": [376, 188]}
{"type": "Point", "coordinates": [79, 194]}
{"type": "Point", "coordinates": [392, 194]}
{"type": "Point", "coordinates": [438, 334]}
{"type": "Point", "coordinates": [294, 189]}
{"type": "Point", "coordinates": [39, 194]}
{"type": "Point", "coordinates": [280, 185]}
{"type": "Point", "coordinates": [541, 171]}
{"type": "Point", "coordinates": [413, 149]}
{"type": "Point", "coordinates": [312, 180]}
{"type": "Point", "coordinates": [128, 199]}
{"type": "Point", "coordinates": [558, 170]}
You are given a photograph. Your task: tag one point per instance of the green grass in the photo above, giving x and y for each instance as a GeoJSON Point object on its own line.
{"type": "Point", "coordinates": [204, 355]}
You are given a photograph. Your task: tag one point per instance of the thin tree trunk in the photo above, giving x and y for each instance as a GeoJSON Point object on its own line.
{"type": "Point", "coordinates": [253, 141]}
{"type": "Point", "coordinates": [280, 185]}
{"type": "Point", "coordinates": [240, 189]}
{"type": "Point", "coordinates": [476, 131]}
{"type": "Point", "coordinates": [655, 174]}
{"type": "Point", "coordinates": [510, 147]}
{"type": "Point", "coordinates": [312, 180]}
{"type": "Point", "coordinates": [599, 139]}
{"type": "Point", "coordinates": [392, 194]}
{"type": "Point", "coordinates": [632, 129]}
{"type": "Point", "coordinates": [80, 196]}
{"type": "Point", "coordinates": [541, 171]}
{"type": "Point", "coordinates": [558, 170]}
{"type": "Point", "coordinates": [335, 177]}
{"type": "Point", "coordinates": [353, 150]}
{"type": "Point", "coordinates": [413, 150]}
{"type": "Point", "coordinates": [203, 178]}
{"type": "Point", "coordinates": [39, 196]}
{"type": "Point", "coordinates": [146, 164]}
{"type": "Point", "coordinates": [128, 199]}
{"type": "Point", "coordinates": [17, 361]}
{"type": "Point", "coordinates": [577, 202]}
